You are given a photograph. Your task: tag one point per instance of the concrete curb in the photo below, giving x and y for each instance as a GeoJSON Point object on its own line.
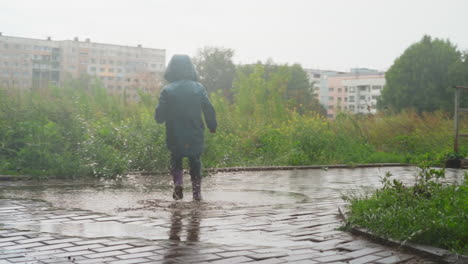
{"type": "Point", "coordinates": [308, 167]}
{"type": "Point", "coordinates": [14, 178]}
{"type": "Point", "coordinates": [442, 255]}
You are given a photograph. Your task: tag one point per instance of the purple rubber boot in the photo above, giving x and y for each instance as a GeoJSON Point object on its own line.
{"type": "Point", "coordinates": [178, 178]}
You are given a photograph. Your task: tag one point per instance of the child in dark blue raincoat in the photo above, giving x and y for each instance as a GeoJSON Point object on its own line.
{"type": "Point", "coordinates": [181, 105]}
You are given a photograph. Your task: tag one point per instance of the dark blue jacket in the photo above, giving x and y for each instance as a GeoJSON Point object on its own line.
{"type": "Point", "coordinates": [181, 105]}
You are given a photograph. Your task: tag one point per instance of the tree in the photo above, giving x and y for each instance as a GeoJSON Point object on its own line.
{"type": "Point", "coordinates": [297, 93]}
{"type": "Point", "coordinates": [216, 69]}
{"type": "Point", "coordinates": [420, 77]}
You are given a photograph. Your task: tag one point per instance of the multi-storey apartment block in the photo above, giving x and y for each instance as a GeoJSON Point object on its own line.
{"type": "Point", "coordinates": [354, 92]}
{"type": "Point", "coordinates": [27, 63]}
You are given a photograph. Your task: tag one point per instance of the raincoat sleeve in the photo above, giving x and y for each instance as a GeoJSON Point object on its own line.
{"type": "Point", "coordinates": [209, 112]}
{"type": "Point", "coordinates": [160, 114]}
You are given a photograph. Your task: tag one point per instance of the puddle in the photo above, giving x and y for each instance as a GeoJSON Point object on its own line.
{"type": "Point", "coordinates": [230, 200]}
{"type": "Point", "coordinates": [151, 195]}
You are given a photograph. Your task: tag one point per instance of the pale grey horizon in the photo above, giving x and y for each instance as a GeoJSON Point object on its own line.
{"type": "Point", "coordinates": [333, 34]}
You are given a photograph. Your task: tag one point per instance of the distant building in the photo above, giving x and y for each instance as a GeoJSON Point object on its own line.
{"type": "Point", "coordinates": [319, 80]}
{"type": "Point", "coordinates": [27, 63]}
{"type": "Point", "coordinates": [354, 92]}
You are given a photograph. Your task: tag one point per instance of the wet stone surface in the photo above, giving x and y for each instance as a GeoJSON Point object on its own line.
{"type": "Point", "coordinates": [262, 217]}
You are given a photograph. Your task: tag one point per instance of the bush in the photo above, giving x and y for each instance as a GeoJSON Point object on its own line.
{"type": "Point", "coordinates": [429, 212]}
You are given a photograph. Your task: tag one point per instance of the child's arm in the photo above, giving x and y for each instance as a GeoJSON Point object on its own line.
{"type": "Point", "coordinates": [161, 110]}
{"type": "Point", "coordinates": [209, 112]}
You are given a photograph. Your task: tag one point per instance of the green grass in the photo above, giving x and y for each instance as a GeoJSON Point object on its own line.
{"type": "Point", "coordinates": [79, 131]}
{"type": "Point", "coordinates": [428, 212]}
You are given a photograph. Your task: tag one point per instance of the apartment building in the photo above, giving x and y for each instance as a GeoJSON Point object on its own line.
{"type": "Point", "coordinates": [363, 91]}
{"type": "Point", "coordinates": [319, 81]}
{"type": "Point", "coordinates": [27, 63]}
{"type": "Point", "coordinates": [355, 91]}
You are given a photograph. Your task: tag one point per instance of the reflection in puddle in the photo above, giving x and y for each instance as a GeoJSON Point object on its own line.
{"type": "Point", "coordinates": [96, 230]}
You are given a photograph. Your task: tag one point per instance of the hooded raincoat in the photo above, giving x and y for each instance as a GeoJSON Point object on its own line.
{"type": "Point", "coordinates": [181, 105]}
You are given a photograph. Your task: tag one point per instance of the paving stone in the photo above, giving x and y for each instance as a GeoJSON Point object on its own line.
{"type": "Point", "coordinates": [268, 255]}
{"type": "Point", "coordinates": [112, 248]}
{"type": "Point", "coordinates": [92, 241]}
{"type": "Point", "coordinates": [55, 246]}
{"type": "Point", "coordinates": [240, 259]}
{"type": "Point", "coordinates": [97, 261]}
{"type": "Point", "coordinates": [394, 259]}
{"type": "Point", "coordinates": [84, 247]}
{"type": "Point", "coordinates": [136, 255]}
{"type": "Point", "coordinates": [36, 239]}
{"type": "Point", "coordinates": [332, 258]}
{"type": "Point", "coordinates": [29, 245]}
{"type": "Point", "coordinates": [298, 257]}
{"type": "Point", "coordinates": [143, 249]}
{"type": "Point", "coordinates": [75, 253]}
{"type": "Point", "coordinates": [304, 261]}
{"type": "Point", "coordinates": [199, 258]}
{"type": "Point", "coordinates": [365, 259]}
{"type": "Point", "coordinates": [270, 261]}
{"type": "Point", "coordinates": [364, 251]}
{"type": "Point", "coordinates": [21, 233]}
{"type": "Point", "coordinates": [234, 253]}
{"type": "Point", "coordinates": [130, 261]}
{"type": "Point", "coordinates": [64, 240]}
{"type": "Point", "coordinates": [13, 238]}
{"type": "Point", "coordinates": [105, 254]}
{"type": "Point", "coordinates": [4, 244]}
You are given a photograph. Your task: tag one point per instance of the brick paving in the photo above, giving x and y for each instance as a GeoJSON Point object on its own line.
{"type": "Point", "coordinates": [33, 231]}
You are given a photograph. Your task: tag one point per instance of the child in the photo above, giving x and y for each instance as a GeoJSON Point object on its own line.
{"type": "Point", "coordinates": [181, 105]}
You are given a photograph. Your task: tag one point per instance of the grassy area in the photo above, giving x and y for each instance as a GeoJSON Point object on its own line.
{"type": "Point", "coordinates": [80, 130]}
{"type": "Point", "coordinates": [429, 212]}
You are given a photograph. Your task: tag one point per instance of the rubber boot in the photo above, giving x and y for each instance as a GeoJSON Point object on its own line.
{"type": "Point", "coordinates": [196, 188]}
{"type": "Point", "coordinates": [178, 178]}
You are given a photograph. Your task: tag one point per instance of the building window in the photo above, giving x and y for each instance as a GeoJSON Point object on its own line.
{"type": "Point", "coordinates": [362, 97]}
{"type": "Point", "coordinates": [351, 107]}
{"type": "Point", "coordinates": [102, 69]}
{"type": "Point", "coordinates": [363, 88]}
{"type": "Point", "coordinates": [331, 89]}
{"type": "Point", "coordinates": [351, 99]}
{"type": "Point", "coordinates": [374, 97]}
{"type": "Point", "coordinates": [340, 90]}
{"type": "Point", "coordinates": [330, 107]}
{"type": "Point", "coordinates": [93, 69]}
{"type": "Point", "coordinates": [110, 78]}
{"type": "Point", "coordinates": [376, 87]}
{"type": "Point", "coordinates": [102, 61]}
{"type": "Point", "coordinates": [111, 69]}
{"type": "Point", "coordinates": [352, 89]}
{"type": "Point", "coordinates": [331, 98]}
{"type": "Point", "coordinates": [339, 99]}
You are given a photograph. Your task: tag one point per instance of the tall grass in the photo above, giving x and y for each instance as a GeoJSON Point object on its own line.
{"type": "Point", "coordinates": [76, 132]}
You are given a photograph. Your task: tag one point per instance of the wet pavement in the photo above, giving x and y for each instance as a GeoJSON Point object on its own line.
{"type": "Point", "coordinates": [262, 217]}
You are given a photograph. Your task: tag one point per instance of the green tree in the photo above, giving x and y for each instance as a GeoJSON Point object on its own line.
{"type": "Point", "coordinates": [297, 93]}
{"type": "Point", "coordinates": [216, 69]}
{"type": "Point", "coordinates": [420, 77]}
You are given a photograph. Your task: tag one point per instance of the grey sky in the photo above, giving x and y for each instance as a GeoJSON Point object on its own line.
{"type": "Point", "coordinates": [326, 34]}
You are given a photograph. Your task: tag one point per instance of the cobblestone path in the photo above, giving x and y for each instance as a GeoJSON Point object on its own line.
{"type": "Point", "coordinates": [35, 231]}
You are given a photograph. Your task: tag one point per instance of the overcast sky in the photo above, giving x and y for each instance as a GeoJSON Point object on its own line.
{"type": "Point", "coordinates": [325, 34]}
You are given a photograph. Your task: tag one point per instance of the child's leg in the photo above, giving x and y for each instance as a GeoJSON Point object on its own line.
{"type": "Point", "coordinates": [177, 176]}
{"type": "Point", "coordinates": [195, 175]}
{"type": "Point", "coordinates": [177, 170]}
